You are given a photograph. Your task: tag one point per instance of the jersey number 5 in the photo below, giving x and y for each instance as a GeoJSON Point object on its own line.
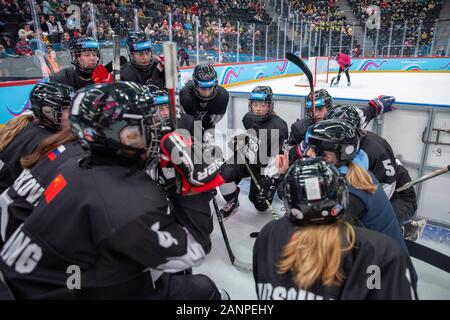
{"type": "Point", "coordinates": [390, 171]}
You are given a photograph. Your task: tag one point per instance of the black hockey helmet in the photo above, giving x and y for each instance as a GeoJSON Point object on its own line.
{"type": "Point", "coordinates": [346, 113]}
{"type": "Point", "coordinates": [315, 193]}
{"type": "Point", "coordinates": [138, 41]}
{"type": "Point", "coordinates": [80, 44]}
{"type": "Point", "coordinates": [337, 136]}
{"type": "Point", "coordinates": [205, 76]}
{"type": "Point", "coordinates": [261, 93]}
{"type": "Point", "coordinates": [103, 115]}
{"type": "Point", "coordinates": [322, 99]}
{"type": "Point", "coordinates": [48, 101]}
{"type": "Point", "coordinates": [160, 96]}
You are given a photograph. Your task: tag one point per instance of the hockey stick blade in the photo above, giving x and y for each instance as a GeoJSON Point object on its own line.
{"type": "Point", "coordinates": [334, 78]}
{"type": "Point", "coordinates": [235, 262]}
{"type": "Point", "coordinates": [302, 65]}
{"type": "Point", "coordinates": [242, 265]}
{"type": "Point", "coordinates": [424, 178]}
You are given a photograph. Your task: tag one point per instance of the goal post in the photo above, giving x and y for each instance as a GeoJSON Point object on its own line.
{"type": "Point", "coordinates": [320, 69]}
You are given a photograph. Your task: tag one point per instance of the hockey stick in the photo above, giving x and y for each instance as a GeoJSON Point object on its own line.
{"type": "Point", "coordinates": [428, 255]}
{"type": "Point", "coordinates": [235, 262]}
{"type": "Point", "coordinates": [424, 178]}
{"type": "Point", "coordinates": [302, 65]}
{"type": "Point", "coordinates": [171, 74]}
{"type": "Point", "coordinates": [255, 181]}
{"type": "Point", "coordinates": [332, 79]}
{"type": "Point", "coordinates": [116, 58]}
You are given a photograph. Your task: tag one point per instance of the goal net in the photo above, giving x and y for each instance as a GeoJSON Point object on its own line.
{"type": "Point", "coordinates": [320, 68]}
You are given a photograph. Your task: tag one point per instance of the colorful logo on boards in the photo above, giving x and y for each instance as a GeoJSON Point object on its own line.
{"type": "Point", "coordinates": [371, 65]}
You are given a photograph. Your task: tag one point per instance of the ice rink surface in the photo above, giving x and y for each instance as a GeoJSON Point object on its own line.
{"type": "Point", "coordinates": [411, 87]}
{"type": "Point", "coordinates": [418, 88]}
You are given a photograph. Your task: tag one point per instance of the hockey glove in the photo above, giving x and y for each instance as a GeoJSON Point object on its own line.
{"type": "Point", "coordinates": [302, 149]}
{"type": "Point", "coordinates": [268, 187]}
{"type": "Point", "coordinates": [186, 157]}
{"type": "Point", "coordinates": [383, 104]}
{"type": "Point", "coordinates": [101, 75]}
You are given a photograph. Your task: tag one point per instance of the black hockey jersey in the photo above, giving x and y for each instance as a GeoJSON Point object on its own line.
{"type": "Point", "coordinates": [129, 72]}
{"type": "Point", "coordinates": [105, 225]}
{"type": "Point", "coordinates": [73, 77]}
{"type": "Point", "coordinates": [22, 145]}
{"type": "Point", "coordinates": [265, 136]}
{"type": "Point", "coordinates": [382, 161]}
{"type": "Point", "coordinates": [17, 202]}
{"type": "Point", "coordinates": [298, 128]}
{"type": "Point", "coordinates": [372, 250]}
{"type": "Point", "coordinates": [210, 112]}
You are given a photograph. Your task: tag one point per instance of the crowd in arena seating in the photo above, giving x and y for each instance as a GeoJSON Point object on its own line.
{"type": "Point", "coordinates": [321, 17]}
{"type": "Point", "coordinates": [18, 35]}
{"type": "Point", "coordinates": [118, 16]}
{"type": "Point", "coordinates": [419, 17]}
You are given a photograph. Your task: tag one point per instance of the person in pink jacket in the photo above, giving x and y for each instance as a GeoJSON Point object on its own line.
{"type": "Point", "coordinates": [344, 62]}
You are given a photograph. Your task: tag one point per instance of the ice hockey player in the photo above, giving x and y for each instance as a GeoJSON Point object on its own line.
{"type": "Point", "coordinates": [323, 103]}
{"type": "Point", "coordinates": [313, 253]}
{"type": "Point", "coordinates": [344, 61]}
{"type": "Point", "coordinates": [17, 201]}
{"type": "Point", "coordinates": [194, 212]}
{"type": "Point", "coordinates": [203, 98]}
{"type": "Point", "coordinates": [338, 142]}
{"type": "Point", "coordinates": [265, 131]}
{"type": "Point", "coordinates": [21, 135]}
{"type": "Point", "coordinates": [161, 99]}
{"type": "Point", "coordinates": [142, 66]}
{"type": "Point", "coordinates": [382, 163]}
{"type": "Point", "coordinates": [128, 241]}
{"type": "Point", "coordinates": [87, 69]}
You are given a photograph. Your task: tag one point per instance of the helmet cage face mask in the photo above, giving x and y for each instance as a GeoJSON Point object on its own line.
{"type": "Point", "coordinates": [85, 46]}
{"type": "Point", "coordinates": [198, 85]}
{"type": "Point", "coordinates": [117, 119]}
{"type": "Point", "coordinates": [140, 48]}
{"type": "Point", "coordinates": [142, 134]}
{"type": "Point", "coordinates": [204, 77]}
{"type": "Point", "coordinates": [261, 97]}
{"type": "Point", "coordinates": [52, 116]}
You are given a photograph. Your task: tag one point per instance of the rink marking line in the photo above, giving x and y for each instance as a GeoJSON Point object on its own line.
{"type": "Point", "coordinates": [418, 104]}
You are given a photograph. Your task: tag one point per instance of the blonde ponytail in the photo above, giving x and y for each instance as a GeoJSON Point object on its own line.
{"type": "Point", "coordinates": [12, 128]}
{"type": "Point", "coordinates": [360, 178]}
{"type": "Point", "coordinates": [314, 254]}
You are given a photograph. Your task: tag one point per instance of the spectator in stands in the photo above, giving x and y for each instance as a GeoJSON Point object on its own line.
{"type": "Point", "coordinates": [43, 24]}
{"type": "Point", "coordinates": [65, 41]}
{"type": "Point", "coordinates": [47, 8]}
{"type": "Point", "coordinates": [15, 7]}
{"type": "Point", "coordinates": [55, 5]}
{"type": "Point", "coordinates": [26, 14]}
{"type": "Point", "coordinates": [183, 57]}
{"type": "Point", "coordinates": [8, 43]}
{"type": "Point", "coordinates": [196, 9]}
{"type": "Point", "coordinates": [441, 52]}
{"type": "Point", "coordinates": [5, 7]}
{"type": "Point", "coordinates": [4, 62]}
{"type": "Point", "coordinates": [23, 48]}
{"type": "Point", "coordinates": [53, 25]}
{"type": "Point", "coordinates": [26, 31]}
